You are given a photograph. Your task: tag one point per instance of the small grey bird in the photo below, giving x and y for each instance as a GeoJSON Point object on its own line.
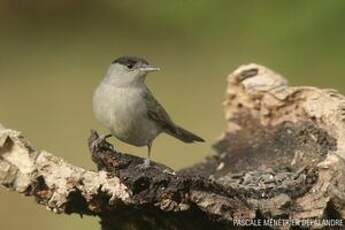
{"type": "Point", "coordinates": [123, 104]}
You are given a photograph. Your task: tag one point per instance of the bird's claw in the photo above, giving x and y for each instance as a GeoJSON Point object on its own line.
{"type": "Point", "coordinates": [144, 166]}
{"type": "Point", "coordinates": [147, 165]}
{"type": "Point", "coordinates": [100, 142]}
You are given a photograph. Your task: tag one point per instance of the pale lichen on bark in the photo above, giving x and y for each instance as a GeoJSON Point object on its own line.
{"type": "Point", "coordinates": [50, 179]}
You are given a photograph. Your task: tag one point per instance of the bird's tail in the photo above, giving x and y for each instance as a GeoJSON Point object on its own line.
{"type": "Point", "coordinates": [185, 135]}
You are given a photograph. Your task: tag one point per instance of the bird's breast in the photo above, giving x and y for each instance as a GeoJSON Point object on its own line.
{"type": "Point", "coordinates": [123, 111]}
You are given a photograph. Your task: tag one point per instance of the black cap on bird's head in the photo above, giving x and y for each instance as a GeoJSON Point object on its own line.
{"type": "Point", "coordinates": [130, 60]}
{"type": "Point", "coordinates": [133, 62]}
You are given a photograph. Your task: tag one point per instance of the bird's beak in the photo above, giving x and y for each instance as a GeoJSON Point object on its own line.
{"type": "Point", "coordinates": [149, 68]}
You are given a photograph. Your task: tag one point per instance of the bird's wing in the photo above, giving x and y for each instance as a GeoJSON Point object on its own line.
{"type": "Point", "coordinates": [157, 113]}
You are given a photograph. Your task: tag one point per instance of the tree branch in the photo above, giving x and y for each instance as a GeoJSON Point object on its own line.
{"type": "Point", "coordinates": [282, 156]}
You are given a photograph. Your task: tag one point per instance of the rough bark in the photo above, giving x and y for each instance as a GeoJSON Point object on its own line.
{"type": "Point", "coordinates": [281, 156]}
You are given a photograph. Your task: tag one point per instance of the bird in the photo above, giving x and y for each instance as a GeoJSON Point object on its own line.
{"type": "Point", "coordinates": [127, 108]}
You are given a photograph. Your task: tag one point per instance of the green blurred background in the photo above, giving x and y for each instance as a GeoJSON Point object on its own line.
{"type": "Point", "coordinates": [54, 53]}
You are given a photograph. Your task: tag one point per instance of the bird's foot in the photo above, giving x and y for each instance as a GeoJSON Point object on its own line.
{"type": "Point", "coordinates": [100, 142]}
{"type": "Point", "coordinates": [145, 165]}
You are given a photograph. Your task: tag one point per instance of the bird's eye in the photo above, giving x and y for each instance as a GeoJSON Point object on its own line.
{"type": "Point", "coordinates": [130, 66]}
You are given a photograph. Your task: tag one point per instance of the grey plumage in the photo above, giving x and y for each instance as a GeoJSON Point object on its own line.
{"type": "Point", "coordinates": [157, 113]}
{"type": "Point", "coordinates": [124, 104]}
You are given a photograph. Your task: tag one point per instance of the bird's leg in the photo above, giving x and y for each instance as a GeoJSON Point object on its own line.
{"type": "Point", "coordinates": [147, 161]}
{"type": "Point", "coordinates": [102, 138]}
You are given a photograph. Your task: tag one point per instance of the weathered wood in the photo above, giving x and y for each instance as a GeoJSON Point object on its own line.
{"type": "Point", "coordinates": [281, 156]}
